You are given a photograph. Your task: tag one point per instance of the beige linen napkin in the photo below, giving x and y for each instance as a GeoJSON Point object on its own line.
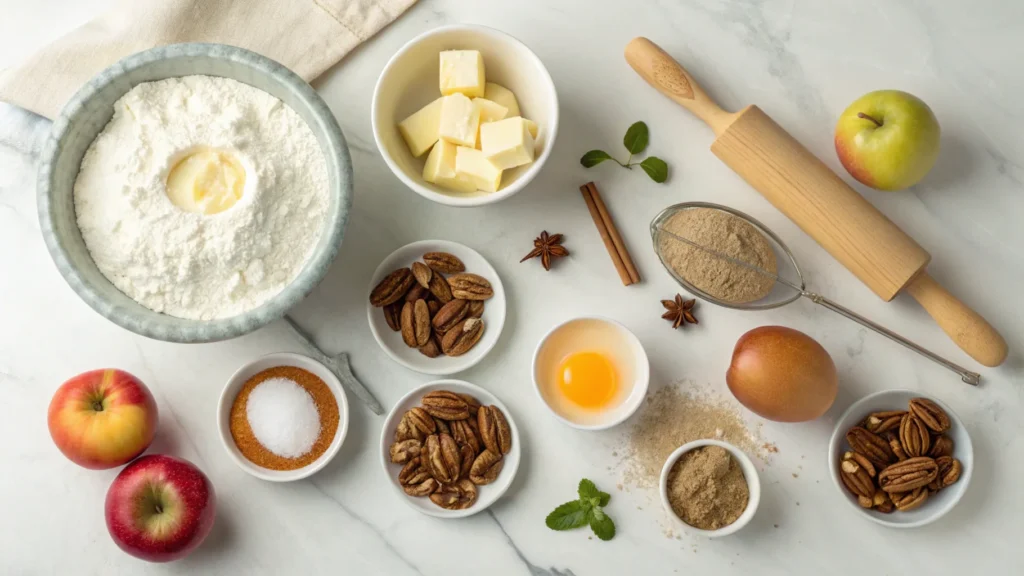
{"type": "Point", "coordinates": [307, 36]}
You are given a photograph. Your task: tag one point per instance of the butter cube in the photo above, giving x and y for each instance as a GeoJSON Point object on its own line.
{"type": "Point", "coordinates": [462, 71]}
{"type": "Point", "coordinates": [421, 129]}
{"type": "Point", "coordinates": [532, 126]}
{"type": "Point", "coordinates": [440, 169]}
{"type": "Point", "coordinates": [503, 96]}
{"type": "Point", "coordinates": [460, 120]}
{"type": "Point", "coordinates": [489, 112]}
{"type": "Point", "coordinates": [471, 163]}
{"type": "Point", "coordinates": [507, 143]}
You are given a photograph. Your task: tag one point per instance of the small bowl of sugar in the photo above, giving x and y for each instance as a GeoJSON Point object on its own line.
{"type": "Point", "coordinates": [282, 417]}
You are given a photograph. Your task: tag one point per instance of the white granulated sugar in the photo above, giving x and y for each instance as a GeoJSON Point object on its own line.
{"type": "Point", "coordinates": [193, 265]}
{"type": "Point", "coordinates": [283, 417]}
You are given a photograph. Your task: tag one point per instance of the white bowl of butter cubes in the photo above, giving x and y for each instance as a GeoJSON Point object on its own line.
{"type": "Point", "coordinates": [465, 115]}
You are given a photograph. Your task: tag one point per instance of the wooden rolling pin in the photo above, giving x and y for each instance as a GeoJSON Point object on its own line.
{"type": "Point", "coordinates": [822, 204]}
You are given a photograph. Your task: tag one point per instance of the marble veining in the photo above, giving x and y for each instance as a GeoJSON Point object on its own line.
{"type": "Point", "coordinates": [802, 61]}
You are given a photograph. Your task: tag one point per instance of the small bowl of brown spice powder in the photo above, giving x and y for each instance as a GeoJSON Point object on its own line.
{"type": "Point", "coordinates": [711, 487]}
{"type": "Point", "coordinates": [282, 417]}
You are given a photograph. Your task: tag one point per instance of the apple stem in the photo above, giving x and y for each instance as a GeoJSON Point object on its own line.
{"type": "Point", "coordinates": [865, 116]}
{"type": "Point", "coordinates": [158, 509]}
{"type": "Point", "coordinates": [97, 406]}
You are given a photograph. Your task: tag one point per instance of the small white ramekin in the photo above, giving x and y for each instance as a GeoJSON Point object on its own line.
{"type": "Point", "coordinates": [409, 81]}
{"type": "Point", "coordinates": [238, 380]}
{"type": "Point", "coordinates": [620, 413]}
{"type": "Point", "coordinates": [749, 472]}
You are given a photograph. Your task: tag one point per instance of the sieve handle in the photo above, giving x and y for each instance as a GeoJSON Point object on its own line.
{"type": "Point", "coordinates": [972, 378]}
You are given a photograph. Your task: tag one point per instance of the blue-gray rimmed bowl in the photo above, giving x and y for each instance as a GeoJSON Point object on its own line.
{"type": "Point", "coordinates": [89, 110]}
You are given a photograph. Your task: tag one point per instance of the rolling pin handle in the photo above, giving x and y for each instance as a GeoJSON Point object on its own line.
{"type": "Point", "coordinates": [972, 333]}
{"type": "Point", "coordinates": [665, 74]}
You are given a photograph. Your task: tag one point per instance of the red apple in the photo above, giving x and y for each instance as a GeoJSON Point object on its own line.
{"type": "Point", "coordinates": [102, 418]}
{"type": "Point", "coordinates": [159, 508]}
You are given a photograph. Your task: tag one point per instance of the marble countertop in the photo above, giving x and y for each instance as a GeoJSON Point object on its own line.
{"type": "Point", "coordinates": [802, 62]}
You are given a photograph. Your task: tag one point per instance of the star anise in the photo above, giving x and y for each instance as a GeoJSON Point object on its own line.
{"type": "Point", "coordinates": [679, 311]}
{"type": "Point", "coordinates": [547, 246]}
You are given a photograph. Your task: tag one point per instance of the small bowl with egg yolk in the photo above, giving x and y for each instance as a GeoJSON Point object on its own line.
{"type": "Point", "coordinates": [591, 372]}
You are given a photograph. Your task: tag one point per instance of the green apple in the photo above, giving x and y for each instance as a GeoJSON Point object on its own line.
{"type": "Point", "coordinates": [888, 139]}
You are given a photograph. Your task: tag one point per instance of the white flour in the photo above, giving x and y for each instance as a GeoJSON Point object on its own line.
{"type": "Point", "coordinates": [192, 265]}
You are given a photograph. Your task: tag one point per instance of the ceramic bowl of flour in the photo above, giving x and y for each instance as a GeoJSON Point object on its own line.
{"type": "Point", "coordinates": [86, 115]}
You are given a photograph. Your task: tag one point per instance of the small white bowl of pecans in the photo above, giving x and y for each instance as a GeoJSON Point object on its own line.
{"type": "Point", "coordinates": [901, 459]}
{"type": "Point", "coordinates": [436, 307]}
{"type": "Point", "coordinates": [450, 448]}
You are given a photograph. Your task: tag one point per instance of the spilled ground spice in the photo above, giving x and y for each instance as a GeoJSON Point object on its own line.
{"type": "Point", "coordinates": [326, 407]}
{"type": "Point", "coordinates": [707, 489]}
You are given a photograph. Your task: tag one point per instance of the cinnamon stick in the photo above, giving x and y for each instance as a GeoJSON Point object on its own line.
{"type": "Point", "coordinates": [620, 246]}
{"type": "Point", "coordinates": [602, 229]}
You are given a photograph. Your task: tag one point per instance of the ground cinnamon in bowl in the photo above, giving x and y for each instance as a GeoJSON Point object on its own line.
{"type": "Point", "coordinates": [284, 383]}
{"type": "Point", "coordinates": [707, 488]}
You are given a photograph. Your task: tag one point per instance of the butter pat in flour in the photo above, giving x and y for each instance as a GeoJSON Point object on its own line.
{"type": "Point", "coordinates": [207, 181]}
{"type": "Point", "coordinates": [470, 163]}
{"type": "Point", "coordinates": [440, 169]}
{"type": "Point", "coordinates": [503, 97]}
{"type": "Point", "coordinates": [460, 120]}
{"type": "Point", "coordinates": [422, 128]}
{"type": "Point", "coordinates": [507, 143]}
{"type": "Point", "coordinates": [462, 71]}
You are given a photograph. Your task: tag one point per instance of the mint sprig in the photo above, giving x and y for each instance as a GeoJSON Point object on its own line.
{"type": "Point", "coordinates": [635, 141]}
{"type": "Point", "coordinates": [589, 509]}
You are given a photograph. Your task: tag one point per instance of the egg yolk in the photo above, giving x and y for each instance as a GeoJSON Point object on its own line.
{"type": "Point", "coordinates": [587, 379]}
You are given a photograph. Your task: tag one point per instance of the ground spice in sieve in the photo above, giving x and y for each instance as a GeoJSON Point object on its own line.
{"type": "Point", "coordinates": [326, 407]}
{"type": "Point", "coordinates": [725, 233]}
{"type": "Point", "coordinates": [707, 489]}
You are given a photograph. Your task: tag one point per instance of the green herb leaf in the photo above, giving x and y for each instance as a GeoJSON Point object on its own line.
{"type": "Point", "coordinates": [636, 138]}
{"type": "Point", "coordinates": [655, 168]}
{"type": "Point", "coordinates": [568, 516]}
{"type": "Point", "coordinates": [594, 157]}
{"type": "Point", "coordinates": [588, 489]}
{"type": "Point", "coordinates": [604, 498]}
{"type": "Point", "coordinates": [602, 524]}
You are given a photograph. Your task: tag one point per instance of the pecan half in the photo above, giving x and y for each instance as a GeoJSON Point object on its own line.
{"type": "Point", "coordinates": [445, 405]}
{"type": "Point", "coordinates": [434, 306]}
{"type": "Point", "coordinates": [408, 324]}
{"type": "Point", "coordinates": [421, 322]}
{"type": "Point", "coordinates": [474, 406]}
{"type": "Point", "coordinates": [422, 273]}
{"type": "Point", "coordinates": [929, 412]}
{"type": "Point", "coordinates": [440, 289]}
{"type": "Point", "coordinates": [416, 292]}
{"type": "Point", "coordinates": [462, 337]}
{"type": "Point", "coordinates": [442, 426]}
{"type": "Point", "coordinates": [457, 496]}
{"type": "Point", "coordinates": [949, 470]}
{"type": "Point", "coordinates": [882, 502]}
{"type": "Point", "coordinates": [425, 488]}
{"type": "Point", "coordinates": [405, 431]}
{"type": "Point", "coordinates": [468, 457]}
{"type": "Point", "coordinates": [470, 287]}
{"type": "Point", "coordinates": [463, 433]}
{"type": "Point", "coordinates": [450, 314]}
{"type": "Point", "coordinates": [392, 287]}
{"type": "Point", "coordinates": [857, 480]}
{"type": "Point", "coordinates": [405, 450]}
{"type": "Point", "coordinates": [909, 500]}
{"type": "Point", "coordinates": [908, 475]}
{"type": "Point", "coordinates": [495, 432]}
{"type": "Point", "coordinates": [432, 349]}
{"type": "Point", "coordinates": [871, 446]}
{"type": "Point", "coordinates": [476, 309]}
{"type": "Point", "coordinates": [941, 446]}
{"type": "Point", "coordinates": [444, 262]}
{"type": "Point", "coordinates": [443, 458]}
{"type": "Point", "coordinates": [486, 468]}
{"type": "Point", "coordinates": [881, 422]}
{"type": "Point", "coordinates": [421, 421]}
{"type": "Point", "coordinates": [897, 448]}
{"type": "Point", "coordinates": [862, 461]}
{"type": "Point", "coordinates": [914, 436]}
{"type": "Point", "coordinates": [393, 316]}
{"type": "Point", "coordinates": [413, 473]}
